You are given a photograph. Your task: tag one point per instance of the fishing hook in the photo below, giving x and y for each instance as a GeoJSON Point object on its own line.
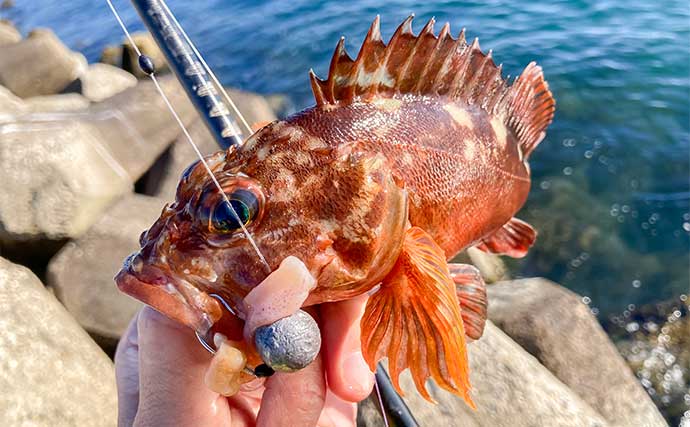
{"type": "Point", "coordinates": [260, 371]}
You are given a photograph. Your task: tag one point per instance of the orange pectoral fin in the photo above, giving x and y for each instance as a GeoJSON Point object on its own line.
{"type": "Point", "coordinates": [471, 291]}
{"type": "Point", "coordinates": [513, 239]}
{"type": "Point", "coordinates": [414, 319]}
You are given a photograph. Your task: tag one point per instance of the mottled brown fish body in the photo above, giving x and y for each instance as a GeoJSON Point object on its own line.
{"type": "Point", "coordinates": [461, 166]}
{"type": "Point", "coordinates": [414, 151]}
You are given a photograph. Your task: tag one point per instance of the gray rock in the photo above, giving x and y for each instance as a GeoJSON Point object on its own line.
{"type": "Point", "coordinates": [369, 412]}
{"type": "Point", "coordinates": [56, 103]}
{"type": "Point", "coordinates": [510, 388]}
{"type": "Point", "coordinates": [13, 108]}
{"type": "Point", "coordinates": [491, 266]}
{"type": "Point", "coordinates": [254, 107]}
{"type": "Point", "coordinates": [82, 272]}
{"type": "Point", "coordinates": [60, 171]}
{"type": "Point", "coordinates": [164, 176]}
{"type": "Point", "coordinates": [10, 105]}
{"type": "Point", "coordinates": [101, 81]}
{"type": "Point", "coordinates": [51, 372]}
{"type": "Point", "coordinates": [8, 34]}
{"type": "Point", "coordinates": [112, 55]}
{"type": "Point", "coordinates": [57, 179]}
{"type": "Point", "coordinates": [555, 326]}
{"type": "Point", "coordinates": [39, 65]}
{"type": "Point", "coordinates": [137, 125]}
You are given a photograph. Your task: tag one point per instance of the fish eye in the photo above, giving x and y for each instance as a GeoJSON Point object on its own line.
{"type": "Point", "coordinates": [242, 210]}
{"type": "Point", "coordinates": [220, 216]}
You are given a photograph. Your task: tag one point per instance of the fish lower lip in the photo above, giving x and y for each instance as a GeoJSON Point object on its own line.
{"type": "Point", "coordinates": [167, 294]}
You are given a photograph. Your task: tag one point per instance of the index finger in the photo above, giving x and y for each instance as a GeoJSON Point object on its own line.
{"type": "Point", "coordinates": [294, 399]}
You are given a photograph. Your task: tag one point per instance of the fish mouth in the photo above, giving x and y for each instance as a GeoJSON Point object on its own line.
{"type": "Point", "coordinates": [167, 293]}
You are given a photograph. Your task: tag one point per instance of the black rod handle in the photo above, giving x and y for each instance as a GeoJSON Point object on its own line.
{"type": "Point", "coordinates": [397, 411]}
{"type": "Point", "coordinates": [189, 71]}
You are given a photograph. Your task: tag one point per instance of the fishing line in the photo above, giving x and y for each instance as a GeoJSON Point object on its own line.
{"type": "Point", "coordinates": [189, 138]}
{"type": "Point", "coordinates": [208, 70]}
{"type": "Point", "coordinates": [203, 161]}
{"type": "Point", "coordinates": [381, 406]}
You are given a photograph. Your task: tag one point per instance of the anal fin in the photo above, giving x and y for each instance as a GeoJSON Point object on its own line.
{"type": "Point", "coordinates": [471, 291]}
{"type": "Point", "coordinates": [513, 239]}
{"type": "Point", "coordinates": [414, 319]}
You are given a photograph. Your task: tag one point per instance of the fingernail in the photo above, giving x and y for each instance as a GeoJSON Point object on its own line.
{"type": "Point", "coordinates": [359, 378]}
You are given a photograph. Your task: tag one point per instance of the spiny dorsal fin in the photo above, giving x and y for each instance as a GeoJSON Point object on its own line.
{"type": "Point", "coordinates": [426, 64]}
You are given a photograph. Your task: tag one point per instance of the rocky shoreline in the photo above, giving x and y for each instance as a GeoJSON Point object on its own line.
{"type": "Point", "coordinates": [88, 158]}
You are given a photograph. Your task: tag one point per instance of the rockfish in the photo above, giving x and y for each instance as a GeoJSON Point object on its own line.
{"type": "Point", "coordinates": [414, 151]}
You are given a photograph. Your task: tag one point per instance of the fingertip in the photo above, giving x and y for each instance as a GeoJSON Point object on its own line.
{"type": "Point", "coordinates": [349, 376]}
{"type": "Point", "coordinates": [356, 377]}
{"type": "Point", "coordinates": [293, 399]}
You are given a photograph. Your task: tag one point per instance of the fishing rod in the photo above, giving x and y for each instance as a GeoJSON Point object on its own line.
{"type": "Point", "coordinates": [192, 72]}
{"type": "Point", "coordinates": [202, 88]}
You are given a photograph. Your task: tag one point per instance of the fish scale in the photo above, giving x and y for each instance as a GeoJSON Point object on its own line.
{"type": "Point", "coordinates": [414, 151]}
{"type": "Point", "coordinates": [440, 177]}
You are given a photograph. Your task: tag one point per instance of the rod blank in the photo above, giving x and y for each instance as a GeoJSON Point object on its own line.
{"type": "Point", "coordinates": [189, 71]}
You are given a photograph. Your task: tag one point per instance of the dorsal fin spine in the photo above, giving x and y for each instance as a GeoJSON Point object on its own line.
{"type": "Point", "coordinates": [439, 79]}
{"type": "Point", "coordinates": [465, 57]}
{"type": "Point", "coordinates": [316, 88]}
{"type": "Point", "coordinates": [428, 28]}
{"type": "Point", "coordinates": [443, 38]}
{"type": "Point", "coordinates": [487, 88]}
{"type": "Point", "coordinates": [457, 46]}
{"type": "Point", "coordinates": [368, 48]}
{"type": "Point", "coordinates": [406, 65]}
{"type": "Point", "coordinates": [377, 79]}
{"type": "Point", "coordinates": [442, 66]}
{"type": "Point", "coordinates": [445, 31]}
{"type": "Point", "coordinates": [423, 78]}
{"type": "Point", "coordinates": [340, 57]}
{"type": "Point", "coordinates": [406, 26]}
{"type": "Point", "coordinates": [496, 88]}
{"type": "Point", "coordinates": [475, 90]}
{"type": "Point", "coordinates": [403, 31]}
{"type": "Point", "coordinates": [462, 89]}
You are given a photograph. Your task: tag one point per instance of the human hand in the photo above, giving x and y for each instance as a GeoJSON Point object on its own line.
{"type": "Point", "coordinates": [160, 369]}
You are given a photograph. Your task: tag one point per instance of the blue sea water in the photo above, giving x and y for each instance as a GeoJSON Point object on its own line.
{"type": "Point", "coordinates": [611, 191]}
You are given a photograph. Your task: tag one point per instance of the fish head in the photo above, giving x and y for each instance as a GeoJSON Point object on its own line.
{"type": "Point", "coordinates": [340, 210]}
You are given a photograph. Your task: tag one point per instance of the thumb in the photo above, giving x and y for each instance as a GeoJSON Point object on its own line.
{"type": "Point", "coordinates": [171, 376]}
{"type": "Point", "coordinates": [127, 374]}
